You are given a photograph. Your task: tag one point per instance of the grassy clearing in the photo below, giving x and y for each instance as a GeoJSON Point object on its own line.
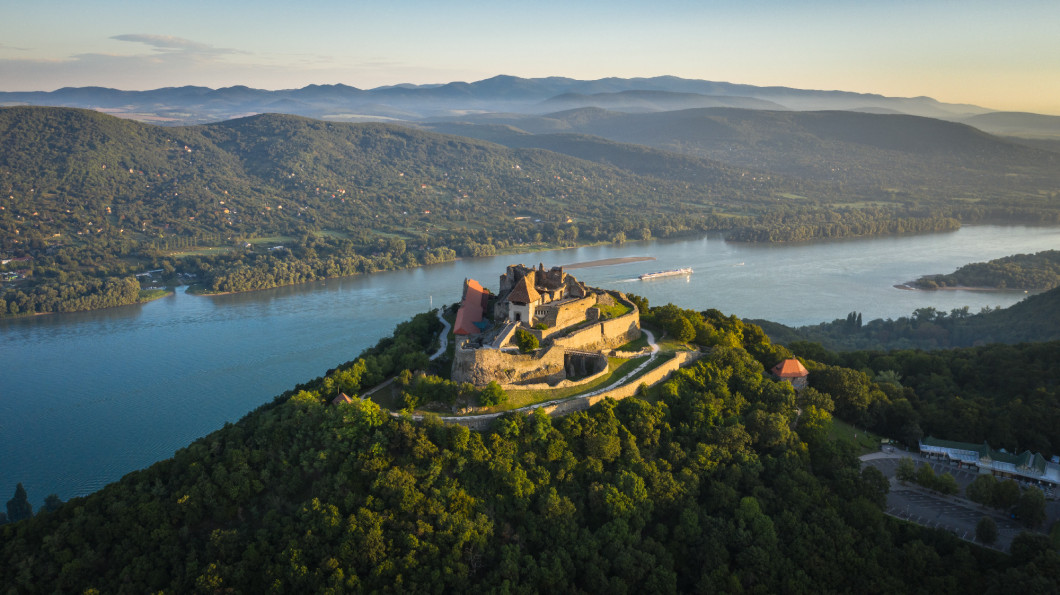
{"type": "Point", "coordinates": [618, 309]}
{"type": "Point", "coordinates": [147, 295]}
{"type": "Point", "coordinates": [201, 251]}
{"type": "Point", "coordinates": [636, 344]}
{"type": "Point", "coordinates": [865, 440]}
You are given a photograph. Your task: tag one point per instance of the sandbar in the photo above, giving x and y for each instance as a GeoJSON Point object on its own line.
{"type": "Point", "coordinates": [607, 262]}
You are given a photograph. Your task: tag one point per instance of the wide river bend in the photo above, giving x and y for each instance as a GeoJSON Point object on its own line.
{"type": "Point", "coordinates": [88, 397]}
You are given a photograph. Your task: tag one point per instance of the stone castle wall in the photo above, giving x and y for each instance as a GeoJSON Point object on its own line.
{"type": "Point", "coordinates": [565, 314]}
{"type": "Point", "coordinates": [625, 391]}
{"type": "Point", "coordinates": [480, 366]}
{"type": "Point", "coordinates": [508, 368]}
{"type": "Point", "coordinates": [604, 334]}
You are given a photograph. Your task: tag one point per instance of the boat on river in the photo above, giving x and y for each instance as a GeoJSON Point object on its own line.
{"type": "Point", "coordinates": [671, 273]}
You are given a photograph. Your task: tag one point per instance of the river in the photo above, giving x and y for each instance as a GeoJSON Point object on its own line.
{"type": "Point", "coordinates": [88, 397]}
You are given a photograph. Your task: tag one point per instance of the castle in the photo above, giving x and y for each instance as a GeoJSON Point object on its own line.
{"type": "Point", "coordinates": [573, 323]}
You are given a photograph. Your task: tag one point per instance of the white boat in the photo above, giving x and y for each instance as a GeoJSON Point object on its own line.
{"type": "Point", "coordinates": [658, 274]}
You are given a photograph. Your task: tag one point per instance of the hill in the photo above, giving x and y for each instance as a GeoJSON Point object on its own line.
{"type": "Point", "coordinates": [893, 157]}
{"type": "Point", "coordinates": [96, 197]}
{"type": "Point", "coordinates": [93, 199]}
{"type": "Point", "coordinates": [1022, 124]}
{"type": "Point", "coordinates": [1031, 320]}
{"type": "Point", "coordinates": [703, 486]}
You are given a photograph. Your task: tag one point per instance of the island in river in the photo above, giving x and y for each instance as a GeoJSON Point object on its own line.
{"type": "Point", "coordinates": [1028, 272]}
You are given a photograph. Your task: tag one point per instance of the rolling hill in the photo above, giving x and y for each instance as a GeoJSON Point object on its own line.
{"type": "Point", "coordinates": [889, 154]}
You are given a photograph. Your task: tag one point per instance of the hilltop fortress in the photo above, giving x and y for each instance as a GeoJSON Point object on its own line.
{"type": "Point", "coordinates": [573, 323]}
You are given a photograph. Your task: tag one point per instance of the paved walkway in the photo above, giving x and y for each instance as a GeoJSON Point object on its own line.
{"type": "Point", "coordinates": [443, 339]}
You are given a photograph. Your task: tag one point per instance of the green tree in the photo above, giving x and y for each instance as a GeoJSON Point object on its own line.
{"type": "Point", "coordinates": [986, 530]}
{"type": "Point", "coordinates": [52, 503]}
{"type": "Point", "coordinates": [18, 507]}
{"type": "Point", "coordinates": [981, 490]}
{"type": "Point", "coordinates": [906, 469]}
{"type": "Point", "coordinates": [1030, 507]}
{"type": "Point", "coordinates": [1006, 494]}
{"type": "Point", "coordinates": [493, 394]}
{"type": "Point", "coordinates": [526, 341]}
{"type": "Point", "coordinates": [925, 476]}
{"type": "Point", "coordinates": [946, 484]}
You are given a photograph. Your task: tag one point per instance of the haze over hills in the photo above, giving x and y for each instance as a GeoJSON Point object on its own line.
{"type": "Point", "coordinates": [192, 104]}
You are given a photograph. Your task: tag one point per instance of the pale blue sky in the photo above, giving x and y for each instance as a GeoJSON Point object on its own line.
{"type": "Point", "coordinates": [1002, 55]}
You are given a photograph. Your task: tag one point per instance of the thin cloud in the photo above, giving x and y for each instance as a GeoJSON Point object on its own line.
{"type": "Point", "coordinates": [169, 44]}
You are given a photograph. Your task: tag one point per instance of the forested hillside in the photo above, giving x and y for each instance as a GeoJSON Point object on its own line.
{"type": "Point", "coordinates": [893, 158]}
{"type": "Point", "coordinates": [702, 485]}
{"type": "Point", "coordinates": [92, 199]}
{"type": "Point", "coordinates": [88, 200]}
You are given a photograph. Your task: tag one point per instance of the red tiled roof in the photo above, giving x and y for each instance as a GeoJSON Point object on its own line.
{"type": "Point", "coordinates": [342, 398]}
{"type": "Point", "coordinates": [471, 309]}
{"type": "Point", "coordinates": [790, 368]}
{"type": "Point", "coordinates": [523, 293]}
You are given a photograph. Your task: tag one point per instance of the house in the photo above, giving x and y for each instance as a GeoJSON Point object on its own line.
{"type": "Point", "coordinates": [342, 398]}
{"type": "Point", "coordinates": [792, 370]}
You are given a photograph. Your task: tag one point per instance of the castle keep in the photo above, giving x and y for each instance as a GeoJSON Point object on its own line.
{"type": "Point", "coordinates": [572, 322]}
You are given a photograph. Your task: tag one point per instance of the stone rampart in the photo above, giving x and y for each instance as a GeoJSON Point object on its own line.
{"type": "Point", "coordinates": [604, 334]}
{"type": "Point", "coordinates": [651, 378]}
{"type": "Point", "coordinates": [565, 383]}
{"type": "Point", "coordinates": [566, 313]}
{"type": "Point", "coordinates": [480, 366]}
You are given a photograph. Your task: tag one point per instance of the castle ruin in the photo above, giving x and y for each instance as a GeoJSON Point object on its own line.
{"type": "Point", "coordinates": [570, 320]}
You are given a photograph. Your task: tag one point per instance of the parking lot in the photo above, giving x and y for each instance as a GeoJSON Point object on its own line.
{"type": "Point", "coordinates": [954, 514]}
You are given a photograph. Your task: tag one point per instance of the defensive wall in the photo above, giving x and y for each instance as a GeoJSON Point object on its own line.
{"type": "Point", "coordinates": [512, 369]}
{"type": "Point", "coordinates": [481, 366]}
{"type": "Point", "coordinates": [650, 378]}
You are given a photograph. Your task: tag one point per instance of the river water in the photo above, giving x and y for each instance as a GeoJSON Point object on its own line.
{"type": "Point", "coordinates": [88, 397]}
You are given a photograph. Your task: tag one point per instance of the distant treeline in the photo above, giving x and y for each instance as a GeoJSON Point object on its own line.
{"type": "Point", "coordinates": [795, 225]}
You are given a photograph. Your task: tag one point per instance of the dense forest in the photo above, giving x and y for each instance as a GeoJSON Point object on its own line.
{"type": "Point", "coordinates": [1022, 271]}
{"type": "Point", "coordinates": [1006, 395]}
{"type": "Point", "coordinates": [87, 201]}
{"type": "Point", "coordinates": [1033, 319]}
{"type": "Point", "coordinates": [712, 482]}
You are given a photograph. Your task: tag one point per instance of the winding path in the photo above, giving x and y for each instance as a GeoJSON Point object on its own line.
{"type": "Point", "coordinates": [443, 339]}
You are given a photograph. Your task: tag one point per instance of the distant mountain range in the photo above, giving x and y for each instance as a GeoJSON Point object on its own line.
{"type": "Point", "coordinates": [189, 105]}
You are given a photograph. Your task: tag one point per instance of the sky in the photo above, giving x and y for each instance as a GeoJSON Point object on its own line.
{"type": "Point", "coordinates": [999, 55]}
